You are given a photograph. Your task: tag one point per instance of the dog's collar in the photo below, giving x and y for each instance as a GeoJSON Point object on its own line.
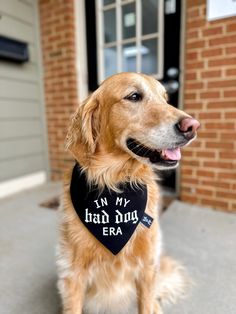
{"type": "Point", "coordinates": [111, 217]}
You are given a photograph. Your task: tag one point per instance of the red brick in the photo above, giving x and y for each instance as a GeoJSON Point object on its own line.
{"type": "Point", "coordinates": [195, 24]}
{"type": "Point", "coordinates": [222, 62]}
{"type": "Point", "coordinates": [220, 104]}
{"type": "Point", "coordinates": [231, 27]}
{"type": "Point", "coordinates": [206, 154]}
{"type": "Point", "coordinates": [228, 136]}
{"type": "Point", "coordinates": [220, 145]}
{"type": "Point", "coordinates": [222, 40]}
{"type": "Point", "coordinates": [193, 181]}
{"type": "Point", "coordinates": [196, 44]}
{"type": "Point", "coordinates": [211, 74]}
{"type": "Point", "coordinates": [192, 105]}
{"type": "Point", "coordinates": [209, 115]}
{"type": "Point", "coordinates": [219, 125]}
{"type": "Point", "coordinates": [205, 173]}
{"type": "Point", "coordinates": [187, 171]}
{"type": "Point", "coordinates": [186, 189]}
{"type": "Point", "coordinates": [212, 31]}
{"type": "Point", "coordinates": [216, 184]}
{"type": "Point", "coordinates": [209, 53]}
{"type": "Point", "coordinates": [222, 83]}
{"type": "Point", "coordinates": [231, 115]}
{"type": "Point", "coordinates": [195, 3]}
{"type": "Point", "coordinates": [218, 164]}
{"type": "Point", "coordinates": [193, 13]}
{"type": "Point", "coordinates": [204, 192]}
{"type": "Point", "coordinates": [226, 195]}
{"type": "Point", "coordinates": [227, 175]}
{"type": "Point", "coordinates": [208, 135]}
{"type": "Point", "coordinates": [188, 198]}
{"type": "Point", "coordinates": [193, 34]}
{"type": "Point", "coordinates": [210, 94]}
{"type": "Point", "coordinates": [193, 85]}
{"type": "Point", "coordinates": [231, 72]}
{"type": "Point", "coordinates": [190, 162]}
{"type": "Point", "coordinates": [195, 144]}
{"type": "Point", "coordinates": [230, 93]}
{"type": "Point", "coordinates": [230, 50]}
{"type": "Point", "coordinates": [192, 56]}
{"type": "Point", "coordinates": [190, 96]}
{"type": "Point", "coordinates": [190, 76]}
{"type": "Point", "coordinates": [215, 203]}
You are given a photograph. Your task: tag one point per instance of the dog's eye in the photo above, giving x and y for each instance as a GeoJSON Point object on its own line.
{"type": "Point", "coordinates": [134, 97]}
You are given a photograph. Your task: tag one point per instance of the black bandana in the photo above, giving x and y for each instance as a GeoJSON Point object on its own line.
{"type": "Point", "coordinates": [111, 217]}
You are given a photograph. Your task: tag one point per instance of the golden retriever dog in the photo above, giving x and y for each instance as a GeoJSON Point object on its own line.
{"type": "Point", "coordinates": [119, 136]}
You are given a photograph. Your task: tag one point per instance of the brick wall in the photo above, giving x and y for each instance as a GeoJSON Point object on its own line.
{"type": "Point", "coordinates": [208, 170]}
{"type": "Point", "coordinates": [58, 46]}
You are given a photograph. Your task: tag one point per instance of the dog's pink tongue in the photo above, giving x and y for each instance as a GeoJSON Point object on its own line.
{"type": "Point", "coordinates": [172, 154]}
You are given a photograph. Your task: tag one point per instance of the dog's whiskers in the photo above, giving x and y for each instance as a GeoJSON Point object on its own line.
{"type": "Point", "coordinates": [141, 147]}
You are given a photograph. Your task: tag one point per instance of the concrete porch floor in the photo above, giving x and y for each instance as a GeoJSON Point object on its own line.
{"type": "Point", "coordinates": [202, 239]}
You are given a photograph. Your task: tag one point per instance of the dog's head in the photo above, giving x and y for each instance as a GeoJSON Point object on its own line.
{"type": "Point", "coordinates": [129, 114]}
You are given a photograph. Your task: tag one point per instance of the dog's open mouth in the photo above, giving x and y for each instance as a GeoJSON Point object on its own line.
{"type": "Point", "coordinates": [165, 157]}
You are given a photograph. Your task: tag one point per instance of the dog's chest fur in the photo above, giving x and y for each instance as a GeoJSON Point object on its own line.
{"type": "Point", "coordinates": [110, 279]}
{"type": "Point", "coordinates": [111, 283]}
{"type": "Point", "coordinates": [111, 286]}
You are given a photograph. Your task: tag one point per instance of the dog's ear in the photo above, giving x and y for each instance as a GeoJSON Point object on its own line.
{"type": "Point", "coordinates": [90, 123]}
{"type": "Point", "coordinates": [85, 125]}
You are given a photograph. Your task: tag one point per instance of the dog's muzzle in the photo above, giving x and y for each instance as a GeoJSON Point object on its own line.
{"type": "Point", "coordinates": [168, 157]}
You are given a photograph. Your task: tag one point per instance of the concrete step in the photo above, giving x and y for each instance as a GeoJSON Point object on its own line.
{"type": "Point", "coordinates": [205, 242]}
{"type": "Point", "coordinates": [202, 239]}
{"type": "Point", "coordinates": [27, 253]}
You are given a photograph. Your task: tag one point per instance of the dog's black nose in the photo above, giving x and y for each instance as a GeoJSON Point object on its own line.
{"type": "Point", "coordinates": [188, 127]}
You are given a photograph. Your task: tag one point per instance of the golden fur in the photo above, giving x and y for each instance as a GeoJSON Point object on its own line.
{"type": "Point", "coordinates": [91, 279]}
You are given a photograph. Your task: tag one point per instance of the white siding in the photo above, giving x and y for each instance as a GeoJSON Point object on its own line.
{"type": "Point", "coordinates": [21, 166]}
{"type": "Point", "coordinates": [22, 132]}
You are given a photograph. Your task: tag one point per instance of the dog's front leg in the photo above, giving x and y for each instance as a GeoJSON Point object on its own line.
{"type": "Point", "coordinates": [146, 291]}
{"type": "Point", "coordinates": [72, 289]}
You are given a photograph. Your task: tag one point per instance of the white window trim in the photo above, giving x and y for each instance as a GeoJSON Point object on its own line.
{"type": "Point", "coordinates": [81, 51]}
{"type": "Point", "coordinates": [139, 37]}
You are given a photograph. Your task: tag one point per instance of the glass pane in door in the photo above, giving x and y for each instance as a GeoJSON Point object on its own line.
{"type": "Point", "coordinates": [106, 2]}
{"type": "Point", "coordinates": [110, 26]}
{"type": "Point", "coordinates": [149, 16]}
{"type": "Point", "coordinates": [128, 21]}
{"type": "Point", "coordinates": [110, 61]}
{"type": "Point", "coordinates": [129, 56]}
{"type": "Point", "coordinates": [149, 64]}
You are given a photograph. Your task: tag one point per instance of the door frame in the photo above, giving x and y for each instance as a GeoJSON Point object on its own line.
{"type": "Point", "coordinates": [182, 52]}
{"type": "Point", "coordinates": [81, 61]}
{"type": "Point", "coordinates": [81, 49]}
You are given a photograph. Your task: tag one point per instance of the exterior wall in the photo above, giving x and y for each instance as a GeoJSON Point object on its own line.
{"type": "Point", "coordinates": [208, 173]}
{"type": "Point", "coordinates": [22, 134]}
{"type": "Point", "coordinates": [58, 45]}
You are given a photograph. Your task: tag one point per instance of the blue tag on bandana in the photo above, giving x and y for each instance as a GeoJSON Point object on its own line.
{"type": "Point", "coordinates": [110, 216]}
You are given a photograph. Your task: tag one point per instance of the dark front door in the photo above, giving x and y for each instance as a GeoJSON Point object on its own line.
{"type": "Point", "coordinates": [170, 54]}
{"type": "Point", "coordinates": [171, 66]}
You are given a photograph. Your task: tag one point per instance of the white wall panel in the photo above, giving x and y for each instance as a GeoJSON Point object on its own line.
{"type": "Point", "coordinates": [22, 132]}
